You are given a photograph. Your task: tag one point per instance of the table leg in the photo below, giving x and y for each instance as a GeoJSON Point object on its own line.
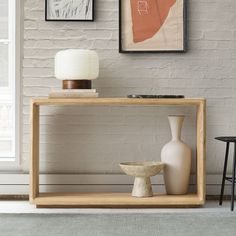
{"type": "Point", "coordinates": [233, 179]}
{"type": "Point", "coordinates": [224, 173]}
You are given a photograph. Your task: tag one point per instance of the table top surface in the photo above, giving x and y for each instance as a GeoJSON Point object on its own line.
{"type": "Point", "coordinates": [227, 139]}
{"type": "Point", "coordinates": [118, 101]}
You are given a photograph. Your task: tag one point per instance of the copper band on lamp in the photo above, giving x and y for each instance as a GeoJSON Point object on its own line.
{"type": "Point", "coordinates": [77, 84]}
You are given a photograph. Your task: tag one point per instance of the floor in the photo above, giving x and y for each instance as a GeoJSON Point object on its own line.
{"type": "Point", "coordinates": [25, 207]}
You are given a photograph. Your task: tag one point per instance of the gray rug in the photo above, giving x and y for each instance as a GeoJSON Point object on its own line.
{"type": "Point", "coordinates": [161, 224]}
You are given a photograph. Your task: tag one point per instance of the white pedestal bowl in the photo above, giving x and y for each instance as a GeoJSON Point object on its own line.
{"type": "Point", "coordinates": [142, 171]}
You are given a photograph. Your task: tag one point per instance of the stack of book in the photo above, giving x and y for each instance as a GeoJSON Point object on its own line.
{"type": "Point", "coordinates": [73, 93]}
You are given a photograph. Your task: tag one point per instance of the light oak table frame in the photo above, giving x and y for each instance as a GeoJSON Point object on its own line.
{"type": "Point", "coordinates": [116, 199]}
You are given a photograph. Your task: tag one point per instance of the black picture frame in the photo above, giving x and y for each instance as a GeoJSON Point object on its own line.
{"type": "Point", "coordinates": [185, 35]}
{"type": "Point", "coordinates": [47, 19]}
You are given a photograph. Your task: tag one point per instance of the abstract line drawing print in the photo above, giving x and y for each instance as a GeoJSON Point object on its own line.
{"type": "Point", "coordinates": [143, 7]}
{"type": "Point", "coordinates": [70, 9]}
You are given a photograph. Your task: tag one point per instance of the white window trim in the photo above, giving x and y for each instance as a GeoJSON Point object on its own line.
{"type": "Point", "coordinates": [16, 21]}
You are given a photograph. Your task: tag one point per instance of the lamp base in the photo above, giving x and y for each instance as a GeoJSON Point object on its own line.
{"type": "Point", "coordinates": [77, 84]}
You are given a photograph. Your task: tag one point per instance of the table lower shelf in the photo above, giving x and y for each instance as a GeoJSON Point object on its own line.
{"type": "Point", "coordinates": [104, 200]}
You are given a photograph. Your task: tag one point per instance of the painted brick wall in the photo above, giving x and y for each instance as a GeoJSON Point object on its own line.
{"type": "Point", "coordinates": [95, 140]}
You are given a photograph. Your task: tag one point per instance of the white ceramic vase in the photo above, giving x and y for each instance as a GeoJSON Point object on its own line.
{"type": "Point", "coordinates": [176, 155]}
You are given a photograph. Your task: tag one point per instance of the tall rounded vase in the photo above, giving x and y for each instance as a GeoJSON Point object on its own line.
{"type": "Point", "coordinates": [177, 158]}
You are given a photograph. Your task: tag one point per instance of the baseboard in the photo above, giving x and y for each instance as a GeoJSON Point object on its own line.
{"type": "Point", "coordinates": [18, 184]}
{"type": "Point", "coordinates": [15, 197]}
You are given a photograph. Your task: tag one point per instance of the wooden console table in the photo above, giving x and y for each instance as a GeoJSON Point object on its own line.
{"type": "Point", "coordinates": [116, 199]}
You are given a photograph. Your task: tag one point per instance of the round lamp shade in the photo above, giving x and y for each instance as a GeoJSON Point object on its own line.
{"type": "Point", "coordinates": [76, 64]}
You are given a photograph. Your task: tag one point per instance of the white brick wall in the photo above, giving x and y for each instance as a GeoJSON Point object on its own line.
{"type": "Point", "coordinates": [95, 140]}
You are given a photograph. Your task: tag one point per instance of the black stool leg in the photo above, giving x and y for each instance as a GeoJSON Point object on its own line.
{"type": "Point", "coordinates": [224, 173]}
{"type": "Point", "coordinates": [233, 179]}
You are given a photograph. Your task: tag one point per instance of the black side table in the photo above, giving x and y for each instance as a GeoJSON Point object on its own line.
{"type": "Point", "coordinates": [228, 140]}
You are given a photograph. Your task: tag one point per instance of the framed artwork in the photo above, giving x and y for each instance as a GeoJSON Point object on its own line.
{"type": "Point", "coordinates": [69, 10]}
{"type": "Point", "coordinates": [152, 26]}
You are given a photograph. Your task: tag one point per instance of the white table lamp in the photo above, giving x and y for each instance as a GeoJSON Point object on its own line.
{"type": "Point", "coordinates": [76, 68]}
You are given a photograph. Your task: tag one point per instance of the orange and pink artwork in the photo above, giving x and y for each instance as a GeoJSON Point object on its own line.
{"type": "Point", "coordinates": [152, 25]}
